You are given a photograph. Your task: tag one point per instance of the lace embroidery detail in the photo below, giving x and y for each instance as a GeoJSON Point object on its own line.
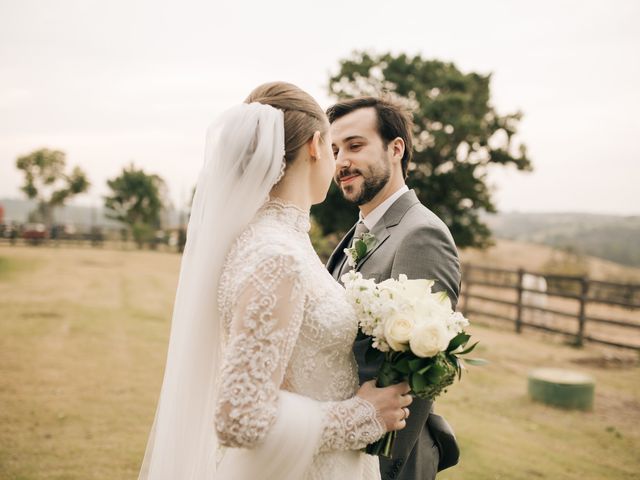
{"type": "Point", "coordinates": [278, 210]}
{"type": "Point", "coordinates": [287, 325]}
{"type": "Point", "coordinates": [266, 322]}
{"type": "Point", "coordinates": [351, 425]}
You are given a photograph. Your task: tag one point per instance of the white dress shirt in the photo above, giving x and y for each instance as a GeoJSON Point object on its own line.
{"type": "Point", "coordinates": [377, 213]}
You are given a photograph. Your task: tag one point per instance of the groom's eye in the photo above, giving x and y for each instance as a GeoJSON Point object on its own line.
{"type": "Point", "coordinates": [356, 146]}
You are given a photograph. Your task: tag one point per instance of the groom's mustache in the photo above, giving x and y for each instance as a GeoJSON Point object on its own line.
{"type": "Point", "coordinates": [345, 173]}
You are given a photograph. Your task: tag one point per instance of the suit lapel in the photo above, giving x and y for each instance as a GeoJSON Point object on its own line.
{"type": "Point", "coordinates": [381, 233]}
{"type": "Point", "coordinates": [390, 219]}
{"type": "Point", "coordinates": [337, 258]}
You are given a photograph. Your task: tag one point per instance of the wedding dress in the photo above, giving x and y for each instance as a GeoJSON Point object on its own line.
{"type": "Point", "coordinates": [289, 328]}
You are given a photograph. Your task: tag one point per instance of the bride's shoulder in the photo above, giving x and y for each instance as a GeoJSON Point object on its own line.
{"type": "Point", "coordinates": [267, 239]}
{"type": "Point", "coordinates": [258, 253]}
{"type": "Point", "coordinates": [263, 244]}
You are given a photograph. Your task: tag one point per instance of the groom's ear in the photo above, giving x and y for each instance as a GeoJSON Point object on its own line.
{"type": "Point", "coordinates": [396, 148]}
{"type": "Point", "coordinates": [314, 145]}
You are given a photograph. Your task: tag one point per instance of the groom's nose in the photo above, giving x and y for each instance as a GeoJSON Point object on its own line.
{"type": "Point", "coordinates": [341, 160]}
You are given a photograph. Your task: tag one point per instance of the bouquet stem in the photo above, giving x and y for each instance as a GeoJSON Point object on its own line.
{"type": "Point", "coordinates": [386, 377]}
{"type": "Point", "coordinates": [384, 446]}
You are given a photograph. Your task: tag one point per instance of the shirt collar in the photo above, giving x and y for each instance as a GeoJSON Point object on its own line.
{"type": "Point", "coordinates": [377, 213]}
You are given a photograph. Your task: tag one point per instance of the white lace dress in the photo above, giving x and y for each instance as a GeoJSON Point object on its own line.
{"type": "Point", "coordinates": [288, 326]}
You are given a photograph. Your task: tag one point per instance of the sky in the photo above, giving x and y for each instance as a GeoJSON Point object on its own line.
{"type": "Point", "coordinates": [111, 82]}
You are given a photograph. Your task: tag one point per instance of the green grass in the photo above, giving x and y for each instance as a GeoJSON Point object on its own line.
{"type": "Point", "coordinates": [82, 344]}
{"type": "Point", "coordinates": [11, 267]}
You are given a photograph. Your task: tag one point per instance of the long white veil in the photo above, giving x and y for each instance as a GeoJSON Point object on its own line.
{"type": "Point", "coordinates": [244, 159]}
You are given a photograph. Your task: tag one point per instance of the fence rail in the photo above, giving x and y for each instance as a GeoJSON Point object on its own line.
{"type": "Point", "coordinates": [582, 290]}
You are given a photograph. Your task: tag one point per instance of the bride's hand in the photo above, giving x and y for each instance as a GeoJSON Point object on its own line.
{"type": "Point", "coordinates": [390, 402]}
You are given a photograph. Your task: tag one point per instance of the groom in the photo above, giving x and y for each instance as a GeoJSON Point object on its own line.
{"type": "Point", "coordinates": [372, 146]}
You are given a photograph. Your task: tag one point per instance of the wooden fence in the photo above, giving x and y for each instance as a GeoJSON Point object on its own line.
{"type": "Point", "coordinates": [482, 286]}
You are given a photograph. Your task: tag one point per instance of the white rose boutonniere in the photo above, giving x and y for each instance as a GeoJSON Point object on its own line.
{"type": "Point", "coordinates": [359, 248]}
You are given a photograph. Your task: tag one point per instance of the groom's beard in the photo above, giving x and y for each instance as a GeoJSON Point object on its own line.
{"type": "Point", "coordinates": [374, 180]}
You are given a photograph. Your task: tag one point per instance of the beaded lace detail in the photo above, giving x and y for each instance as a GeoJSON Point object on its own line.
{"type": "Point", "coordinates": [288, 326]}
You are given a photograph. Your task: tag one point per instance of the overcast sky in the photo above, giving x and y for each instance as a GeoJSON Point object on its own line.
{"type": "Point", "coordinates": [110, 82]}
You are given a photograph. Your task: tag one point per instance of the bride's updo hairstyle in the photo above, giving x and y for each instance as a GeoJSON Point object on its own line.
{"type": "Point", "coordinates": [302, 114]}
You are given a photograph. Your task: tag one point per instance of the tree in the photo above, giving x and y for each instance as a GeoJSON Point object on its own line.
{"type": "Point", "coordinates": [137, 200]}
{"type": "Point", "coordinates": [458, 135]}
{"type": "Point", "coordinates": [46, 181]}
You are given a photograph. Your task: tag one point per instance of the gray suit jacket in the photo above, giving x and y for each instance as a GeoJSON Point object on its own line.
{"type": "Point", "coordinates": [411, 240]}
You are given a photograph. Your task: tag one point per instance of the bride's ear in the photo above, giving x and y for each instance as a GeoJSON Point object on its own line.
{"type": "Point", "coordinates": [314, 145]}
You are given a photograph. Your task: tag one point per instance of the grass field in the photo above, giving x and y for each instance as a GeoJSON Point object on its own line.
{"type": "Point", "coordinates": [82, 343]}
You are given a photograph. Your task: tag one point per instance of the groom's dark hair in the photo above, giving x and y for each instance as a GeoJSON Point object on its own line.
{"type": "Point", "coordinates": [394, 121]}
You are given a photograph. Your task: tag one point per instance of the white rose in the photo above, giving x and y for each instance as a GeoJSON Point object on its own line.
{"type": "Point", "coordinates": [415, 289]}
{"type": "Point", "coordinates": [430, 308]}
{"type": "Point", "coordinates": [408, 290]}
{"type": "Point", "coordinates": [429, 338]}
{"type": "Point", "coordinates": [397, 331]}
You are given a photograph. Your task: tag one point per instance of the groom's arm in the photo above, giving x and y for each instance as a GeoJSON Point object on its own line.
{"type": "Point", "coordinates": [429, 252]}
{"type": "Point", "coordinates": [426, 251]}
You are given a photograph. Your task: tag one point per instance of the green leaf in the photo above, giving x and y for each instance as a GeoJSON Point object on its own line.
{"type": "Point", "coordinates": [402, 366]}
{"type": "Point", "coordinates": [418, 383]}
{"type": "Point", "coordinates": [434, 373]}
{"type": "Point", "coordinates": [455, 361]}
{"type": "Point", "coordinates": [417, 363]}
{"type": "Point", "coordinates": [475, 361]}
{"type": "Point", "coordinates": [457, 341]}
{"type": "Point", "coordinates": [424, 370]}
{"type": "Point", "coordinates": [370, 241]}
{"type": "Point", "coordinates": [361, 248]}
{"type": "Point", "coordinates": [467, 350]}
{"type": "Point", "coordinates": [387, 376]}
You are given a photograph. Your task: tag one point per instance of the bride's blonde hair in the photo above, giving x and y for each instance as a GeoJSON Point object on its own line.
{"type": "Point", "coordinates": [302, 114]}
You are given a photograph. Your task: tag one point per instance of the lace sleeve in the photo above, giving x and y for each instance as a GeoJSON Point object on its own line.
{"type": "Point", "coordinates": [265, 323]}
{"type": "Point", "coordinates": [350, 425]}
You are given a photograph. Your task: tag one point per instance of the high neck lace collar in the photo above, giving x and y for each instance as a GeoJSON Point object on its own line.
{"type": "Point", "coordinates": [286, 213]}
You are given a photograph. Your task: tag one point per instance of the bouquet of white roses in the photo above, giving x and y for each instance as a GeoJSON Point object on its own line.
{"type": "Point", "coordinates": [416, 333]}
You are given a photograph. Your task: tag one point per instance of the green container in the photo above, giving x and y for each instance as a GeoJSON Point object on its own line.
{"type": "Point", "coordinates": [562, 388]}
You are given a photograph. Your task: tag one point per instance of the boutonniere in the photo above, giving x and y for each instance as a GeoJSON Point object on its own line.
{"type": "Point", "coordinates": [359, 248]}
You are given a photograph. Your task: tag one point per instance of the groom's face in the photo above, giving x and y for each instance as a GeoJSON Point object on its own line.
{"type": "Point", "coordinates": [362, 160]}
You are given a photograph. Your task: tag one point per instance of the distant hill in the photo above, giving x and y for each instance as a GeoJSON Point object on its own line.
{"type": "Point", "coordinates": [612, 237]}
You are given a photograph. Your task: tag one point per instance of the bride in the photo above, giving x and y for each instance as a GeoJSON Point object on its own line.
{"type": "Point", "coordinates": [260, 381]}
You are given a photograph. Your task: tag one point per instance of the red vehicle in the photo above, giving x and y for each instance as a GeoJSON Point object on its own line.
{"type": "Point", "coordinates": [34, 232]}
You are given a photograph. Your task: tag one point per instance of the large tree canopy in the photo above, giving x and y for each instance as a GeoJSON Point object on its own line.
{"type": "Point", "coordinates": [458, 135]}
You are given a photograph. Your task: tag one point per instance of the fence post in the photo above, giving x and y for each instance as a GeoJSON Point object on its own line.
{"type": "Point", "coordinates": [519, 305]}
{"type": "Point", "coordinates": [466, 284]}
{"type": "Point", "coordinates": [584, 290]}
